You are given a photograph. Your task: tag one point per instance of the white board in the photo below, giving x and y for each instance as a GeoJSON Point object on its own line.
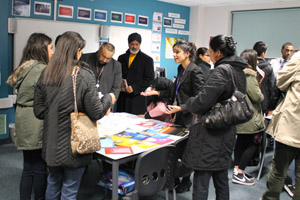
{"type": "Point", "coordinates": [25, 27]}
{"type": "Point", "coordinates": [119, 38]}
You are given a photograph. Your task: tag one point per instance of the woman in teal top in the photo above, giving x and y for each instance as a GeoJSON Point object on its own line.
{"type": "Point", "coordinates": [29, 129]}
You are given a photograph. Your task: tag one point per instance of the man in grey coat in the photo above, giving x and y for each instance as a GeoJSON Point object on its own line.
{"type": "Point", "coordinates": [108, 71]}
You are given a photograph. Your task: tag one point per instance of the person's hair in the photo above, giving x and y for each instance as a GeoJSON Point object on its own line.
{"type": "Point", "coordinates": [109, 46]}
{"type": "Point", "coordinates": [186, 47]}
{"type": "Point", "coordinates": [56, 40]}
{"type": "Point", "coordinates": [36, 48]}
{"type": "Point", "coordinates": [286, 44]}
{"type": "Point", "coordinates": [63, 59]}
{"type": "Point", "coordinates": [250, 56]}
{"type": "Point", "coordinates": [224, 44]}
{"type": "Point", "coordinates": [260, 47]}
{"type": "Point", "coordinates": [200, 51]}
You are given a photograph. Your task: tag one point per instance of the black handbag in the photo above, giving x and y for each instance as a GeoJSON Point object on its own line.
{"type": "Point", "coordinates": [235, 110]}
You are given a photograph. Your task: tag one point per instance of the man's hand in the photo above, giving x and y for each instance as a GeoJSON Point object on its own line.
{"type": "Point", "coordinates": [149, 93]}
{"type": "Point", "coordinates": [129, 89]}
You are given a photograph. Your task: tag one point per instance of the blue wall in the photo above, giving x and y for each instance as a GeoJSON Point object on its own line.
{"type": "Point", "coordinates": [137, 7]}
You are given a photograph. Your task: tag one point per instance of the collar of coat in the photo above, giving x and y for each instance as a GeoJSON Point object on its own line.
{"type": "Point", "coordinates": [249, 71]}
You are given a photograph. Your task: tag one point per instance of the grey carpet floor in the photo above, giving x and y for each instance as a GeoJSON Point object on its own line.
{"type": "Point", "coordinates": [11, 170]}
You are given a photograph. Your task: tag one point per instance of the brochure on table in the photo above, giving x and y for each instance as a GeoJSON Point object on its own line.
{"type": "Point", "coordinates": [124, 134]}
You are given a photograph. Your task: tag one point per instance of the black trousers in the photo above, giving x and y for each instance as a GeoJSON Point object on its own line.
{"type": "Point", "coordinates": [34, 175]}
{"type": "Point", "coordinates": [201, 184]}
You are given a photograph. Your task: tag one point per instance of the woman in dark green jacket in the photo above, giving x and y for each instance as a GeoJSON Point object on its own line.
{"type": "Point", "coordinates": [247, 133]}
{"type": "Point", "coordinates": [29, 129]}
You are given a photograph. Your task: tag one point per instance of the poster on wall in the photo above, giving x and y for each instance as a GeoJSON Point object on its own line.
{"type": "Point", "coordinates": [143, 20]}
{"type": "Point", "coordinates": [156, 27]}
{"type": "Point", "coordinates": [167, 22]}
{"type": "Point", "coordinates": [116, 17]}
{"type": "Point", "coordinates": [156, 37]}
{"type": "Point", "coordinates": [155, 47]}
{"type": "Point", "coordinates": [84, 13]}
{"type": "Point", "coordinates": [21, 7]}
{"type": "Point", "coordinates": [100, 15]}
{"type": "Point", "coordinates": [129, 18]}
{"type": "Point", "coordinates": [156, 57]}
{"type": "Point", "coordinates": [42, 8]}
{"type": "Point", "coordinates": [65, 11]}
{"type": "Point", "coordinates": [170, 41]}
{"type": "Point", "coordinates": [157, 17]}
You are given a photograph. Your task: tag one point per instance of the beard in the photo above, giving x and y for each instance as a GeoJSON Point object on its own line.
{"type": "Point", "coordinates": [134, 51]}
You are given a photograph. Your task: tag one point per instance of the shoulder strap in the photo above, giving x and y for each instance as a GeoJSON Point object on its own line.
{"type": "Point", "coordinates": [233, 76]}
{"type": "Point", "coordinates": [74, 77]}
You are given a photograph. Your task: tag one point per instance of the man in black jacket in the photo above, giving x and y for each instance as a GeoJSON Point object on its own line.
{"type": "Point", "coordinates": [107, 70]}
{"type": "Point", "coordinates": [267, 83]}
{"type": "Point", "coordinates": [138, 71]}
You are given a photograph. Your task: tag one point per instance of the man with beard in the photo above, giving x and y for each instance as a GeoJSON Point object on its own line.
{"type": "Point", "coordinates": [287, 50]}
{"type": "Point", "coordinates": [107, 70]}
{"type": "Point", "coordinates": [137, 73]}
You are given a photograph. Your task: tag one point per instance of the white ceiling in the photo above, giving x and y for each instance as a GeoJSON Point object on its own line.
{"type": "Point", "coordinates": [207, 3]}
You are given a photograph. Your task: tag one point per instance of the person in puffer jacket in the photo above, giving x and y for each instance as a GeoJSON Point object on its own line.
{"type": "Point", "coordinates": [208, 151]}
{"type": "Point", "coordinates": [53, 102]}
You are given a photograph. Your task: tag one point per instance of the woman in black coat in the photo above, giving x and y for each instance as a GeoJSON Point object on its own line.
{"type": "Point", "coordinates": [53, 102]}
{"type": "Point", "coordinates": [188, 83]}
{"type": "Point", "coordinates": [208, 151]}
{"type": "Point", "coordinates": [203, 61]}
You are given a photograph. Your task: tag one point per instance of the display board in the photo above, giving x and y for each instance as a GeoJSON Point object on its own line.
{"type": "Point", "coordinates": [119, 38]}
{"type": "Point", "coordinates": [274, 27]}
{"type": "Point", "coordinates": [25, 27]}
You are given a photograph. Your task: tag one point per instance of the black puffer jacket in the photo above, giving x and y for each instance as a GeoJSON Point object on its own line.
{"type": "Point", "coordinates": [54, 104]}
{"type": "Point", "coordinates": [267, 83]}
{"type": "Point", "coordinates": [211, 149]}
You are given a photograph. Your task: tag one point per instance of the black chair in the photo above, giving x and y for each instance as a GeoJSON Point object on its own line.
{"type": "Point", "coordinates": [151, 171]}
{"type": "Point", "coordinates": [177, 168]}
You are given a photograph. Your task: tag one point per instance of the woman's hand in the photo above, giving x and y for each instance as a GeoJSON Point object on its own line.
{"type": "Point", "coordinates": [149, 93]}
{"type": "Point", "coordinates": [173, 109]}
{"type": "Point", "coordinates": [113, 98]}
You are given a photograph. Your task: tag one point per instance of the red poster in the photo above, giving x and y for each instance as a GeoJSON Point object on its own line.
{"type": "Point", "coordinates": [130, 19]}
{"type": "Point", "coordinates": [65, 11]}
{"type": "Point", "coordinates": [119, 150]}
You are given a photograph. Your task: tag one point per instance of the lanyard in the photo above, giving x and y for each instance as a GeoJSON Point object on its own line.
{"type": "Point", "coordinates": [178, 83]}
{"type": "Point", "coordinates": [99, 76]}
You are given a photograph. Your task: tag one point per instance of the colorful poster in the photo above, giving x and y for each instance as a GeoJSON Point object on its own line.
{"type": "Point", "coordinates": [157, 17]}
{"type": "Point", "coordinates": [170, 41]}
{"type": "Point", "coordinates": [84, 13]}
{"type": "Point", "coordinates": [119, 150]}
{"type": "Point", "coordinates": [116, 17]}
{"type": "Point", "coordinates": [100, 15]}
{"type": "Point", "coordinates": [65, 11]}
{"type": "Point", "coordinates": [129, 18]}
{"type": "Point", "coordinates": [143, 20]}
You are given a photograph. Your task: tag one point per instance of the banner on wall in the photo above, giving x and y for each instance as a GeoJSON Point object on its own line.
{"type": "Point", "coordinates": [170, 41]}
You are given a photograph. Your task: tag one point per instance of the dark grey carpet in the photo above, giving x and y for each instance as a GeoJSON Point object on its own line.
{"type": "Point", "coordinates": [11, 169]}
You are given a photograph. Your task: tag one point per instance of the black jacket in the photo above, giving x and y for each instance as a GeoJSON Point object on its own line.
{"type": "Point", "coordinates": [205, 68]}
{"type": "Point", "coordinates": [189, 86]}
{"type": "Point", "coordinates": [139, 76]}
{"type": "Point", "coordinates": [211, 149]}
{"type": "Point", "coordinates": [54, 104]}
{"type": "Point", "coordinates": [111, 77]}
{"type": "Point", "coordinates": [267, 83]}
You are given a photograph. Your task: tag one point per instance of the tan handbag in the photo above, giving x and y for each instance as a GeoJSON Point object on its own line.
{"type": "Point", "coordinates": [84, 138]}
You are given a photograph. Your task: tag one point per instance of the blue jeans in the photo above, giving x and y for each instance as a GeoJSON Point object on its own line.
{"type": "Point", "coordinates": [34, 175]}
{"type": "Point", "coordinates": [201, 184]}
{"type": "Point", "coordinates": [63, 183]}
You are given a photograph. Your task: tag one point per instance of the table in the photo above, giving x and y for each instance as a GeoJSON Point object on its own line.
{"type": "Point", "coordinates": [124, 136]}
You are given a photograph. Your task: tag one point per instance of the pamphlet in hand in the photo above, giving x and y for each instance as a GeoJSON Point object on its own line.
{"type": "Point", "coordinates": [124, 85]}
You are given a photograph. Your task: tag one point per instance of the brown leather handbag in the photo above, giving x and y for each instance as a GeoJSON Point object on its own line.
{"type": "Point", "coordinates": [84, 138]}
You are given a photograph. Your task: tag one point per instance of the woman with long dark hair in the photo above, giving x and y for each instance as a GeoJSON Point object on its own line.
{"type": "Point", "coordinates": [203, 61]}
{"type": "Point", "coordinates": [248, 133]}
{"type": "Point", "coordinates": [29, 129]}
{"type": "Point", "coordinates": [188, 83]}
{"type": "Point", "coordinates": [53, 102]}
{"type": "Point", "coordinates": [208, 151]}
